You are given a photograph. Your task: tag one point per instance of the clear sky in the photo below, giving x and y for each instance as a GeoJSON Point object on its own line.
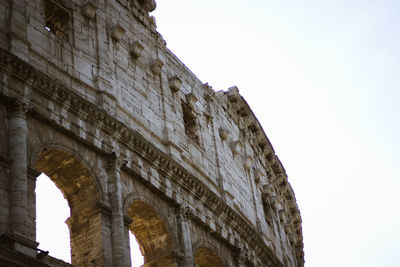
{"type": "Point", "coordinates": [323, 79]}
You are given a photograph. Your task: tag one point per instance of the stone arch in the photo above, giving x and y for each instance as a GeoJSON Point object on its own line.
{"type": "Point", "coordinates": [206, 255]}
{"type": "Point", "coordinates": [77, 183]}
{"type": "Point", "coordinates": [152, 232]}
{"type": "Point", "coordinates": [38, 144]}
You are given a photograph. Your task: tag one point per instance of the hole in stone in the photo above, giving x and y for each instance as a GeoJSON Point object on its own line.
{"type": "Point", "coordinates": [190, 123]}
{"type": "Point", "coordinates": [52, 211]}
{"type": "Point", "coordinates": [136, 255]}
{"type": "Point", "coordinates": [268, 214]}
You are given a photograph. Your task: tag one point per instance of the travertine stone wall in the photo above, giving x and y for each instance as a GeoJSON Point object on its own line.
{"type": "Point", "coordinates": [135, 141]}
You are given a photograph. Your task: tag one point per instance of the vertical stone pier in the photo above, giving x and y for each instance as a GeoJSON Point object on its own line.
{"type": "Point", "coordinates": [17, 133]}
{"type": "Point", "coordinates": [18, 238]}
{"type": "Point", "coordinates": [183, 215]}
{"type": "Point", "coordinates": [121, 256]}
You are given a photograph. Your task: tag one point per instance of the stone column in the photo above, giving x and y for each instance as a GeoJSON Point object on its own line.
{"type": "Point", "coordinates": [18, 237]}
{"type": "Point", "coordinates": [120, 256]}
{"type": "Point", "coordinates": [183, 216]}
{"type": "Point", "coordinates": [17, 134]}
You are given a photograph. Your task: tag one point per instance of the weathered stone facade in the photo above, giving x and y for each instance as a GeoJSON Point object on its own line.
{"type": "Point", "coordinates": [91, 96]}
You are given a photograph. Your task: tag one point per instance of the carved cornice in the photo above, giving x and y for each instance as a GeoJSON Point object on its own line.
{"type": "Point", "coordinates": [58, 93]}
{"type": "Point", "coordinates": [140, 9]}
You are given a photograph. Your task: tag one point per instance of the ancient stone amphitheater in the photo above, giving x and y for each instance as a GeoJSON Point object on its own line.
{"type": "Point", "coordinates": [91, 96]}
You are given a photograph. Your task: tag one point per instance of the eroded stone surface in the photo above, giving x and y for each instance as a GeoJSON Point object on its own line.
{"type": "Point", "coordinates": [135, 142]}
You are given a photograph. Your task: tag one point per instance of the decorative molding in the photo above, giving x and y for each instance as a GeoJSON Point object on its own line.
{"type": "Point", "coordinates": [117, 31]}
{"type": "Point", "coordinates": [156, 66]}
{"type": "Point", "coordinates": [236, 147]}
{"type": "Point", "coordinates": [89, 10]}
{"type": "Point", "coordinates": [208, 117]}
{"type": "Point", "coordinates": [223, 133]}
{"type": "Point", "coordinates": [16, 108]}
{"type": "Point", "coordinates": [148, 5]}
{"type": "Point", "coordinates": [174, 83]}
{"type": "Point", "coordinates": [135, 49]}
{"type": "Point", "coordinates": [259, 177]}
{"type": "Point", "coordinates": [191, 100]}
{"type": "Point", "coordinates": [248, 162]}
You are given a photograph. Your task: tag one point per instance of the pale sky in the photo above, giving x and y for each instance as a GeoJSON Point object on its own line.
{"type": "Point", "coordinates": [322, 77]}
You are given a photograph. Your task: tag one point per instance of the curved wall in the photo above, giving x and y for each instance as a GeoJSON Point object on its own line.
{"type": "Point", "coordinates": [110, 82]}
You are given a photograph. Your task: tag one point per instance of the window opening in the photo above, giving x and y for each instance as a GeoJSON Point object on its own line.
{"type": "Point", "coordinates": [57, 19]}
{"type": "Point", "coordinates": [190, 121]}
{"type": "Point", "coordinates": [268, 215]}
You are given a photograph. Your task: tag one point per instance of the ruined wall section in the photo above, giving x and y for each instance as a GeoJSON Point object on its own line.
{"type": "Point", "coordinates": [111, 55]}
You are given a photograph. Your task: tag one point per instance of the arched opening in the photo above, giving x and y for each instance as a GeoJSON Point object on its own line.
{"type": "Point", "coordinates": [52, 211]}
{"type": "Point", "coordinates": [78, 187]}
{"type": "Point", "coordinates": [154, 240]}
{"type": "Point", "coordinates": [206, 257]}
{"type": "Point", "coordinates": [136, 254]}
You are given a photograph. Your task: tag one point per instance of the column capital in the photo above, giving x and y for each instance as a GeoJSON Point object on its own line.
{"type": "Point", "coordinates": [114, 163]}
{"type": "Point", "coordinates": [33, 174]}
{"type": "Point", "coordinates": [16, 108]}
{"type": "Point", "coordinates": [187, 212]}
{"type": "Point", "coordinates": [184, 212]}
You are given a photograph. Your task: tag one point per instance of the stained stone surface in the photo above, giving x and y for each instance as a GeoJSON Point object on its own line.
{"type": "Point", "coordinates": [91, 96]}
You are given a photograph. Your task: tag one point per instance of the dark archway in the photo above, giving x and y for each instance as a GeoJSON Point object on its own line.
{"type": "Point", "coordinates": [206, 257]}
{"type": "Point", "coordinates": [78, 186]}
{"type": "Point", "coordinates": [153, 237]}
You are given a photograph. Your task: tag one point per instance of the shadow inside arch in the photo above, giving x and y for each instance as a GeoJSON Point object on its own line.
{"type": "Point", "coordinates": [68, 173]}
{"type": "Point", "coordinates": [153, 237]}
{"type": "Point", "coordinates": [205, 257]}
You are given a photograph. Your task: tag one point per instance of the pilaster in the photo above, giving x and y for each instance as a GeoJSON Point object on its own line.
{"type": "Point", "coordinates": [17, 135]}
{"type": "Point", "coordinates": [18, 238]}
{"type": "Point", "coordinates": [121, 255]}
{"type": "Point", "coordinates": [183, 216]}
